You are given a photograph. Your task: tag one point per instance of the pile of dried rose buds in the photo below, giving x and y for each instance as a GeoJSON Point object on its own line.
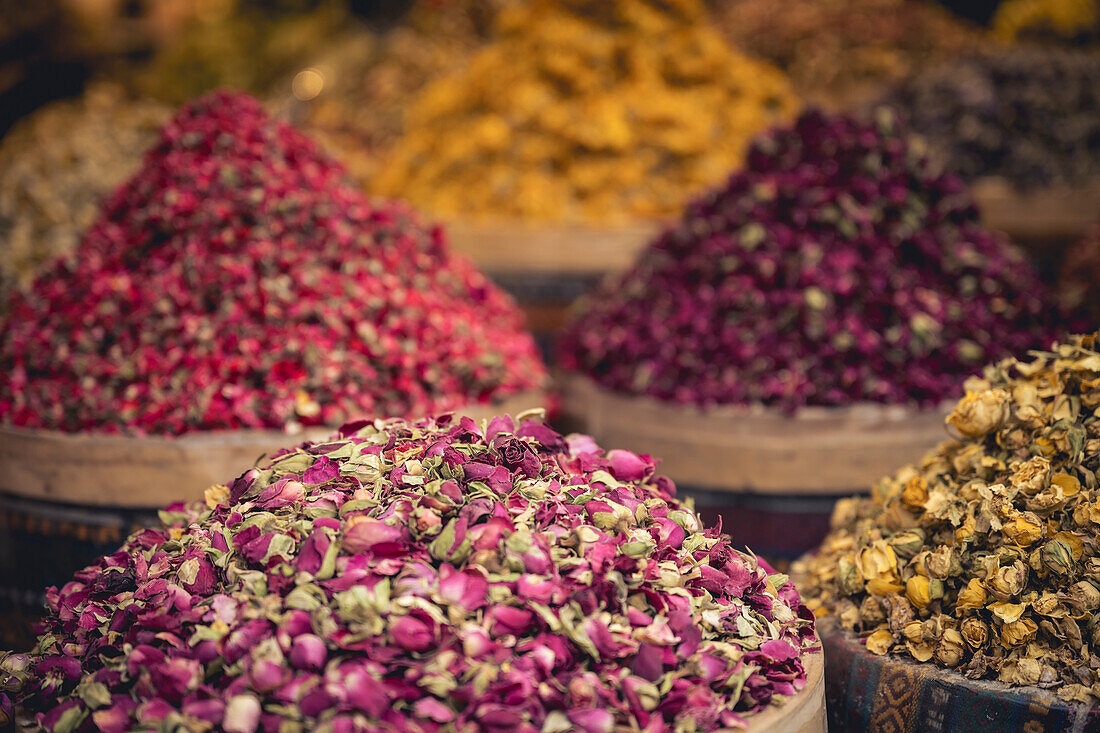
{"type": "Point", "coordinates": [240, 281]}
{"type": "Point", "coordinates": [838, 266]}
{"type": "Point", "coordinates": [985, 556]}
{"type": "Point", "coordinates": [422, 576]}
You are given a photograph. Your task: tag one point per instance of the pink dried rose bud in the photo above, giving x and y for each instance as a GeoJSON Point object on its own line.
{"type": "Point", "coordinates": [239, 280]}
{"type": "Point", "coordinates": [839, 265]}
{"type": "Point", "coordinates": [560, 588]}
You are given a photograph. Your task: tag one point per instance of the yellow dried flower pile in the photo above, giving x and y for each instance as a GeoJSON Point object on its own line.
{"type": "Point", "coordinates": [585, 111]}
{"type": "Point", "coordinates": [985, 557]}
{"type": "Point", "coordinates": [1062, 20]}
{"type": "Point", "coordinates": [355, 95]}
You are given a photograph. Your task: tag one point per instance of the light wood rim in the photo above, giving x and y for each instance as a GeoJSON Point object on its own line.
{"type": "Point", "coordinates": [1058, 212]}
{"type": "Point", "coordinates": [819, 450]}
{"type": "Point", "coordinates": [154, 471]}
{"type": "Point", "coordinates": [804, 713]}
{"type": "Point", "coordinates": [515, 247]}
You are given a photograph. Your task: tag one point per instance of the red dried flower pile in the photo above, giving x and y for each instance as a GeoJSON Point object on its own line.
{"type": "Point", "coordinates": [240, 281]}
{"type": "Point", "coordinates": [437, 576]}
{"type": "Point", "coordinates": [840, 265]}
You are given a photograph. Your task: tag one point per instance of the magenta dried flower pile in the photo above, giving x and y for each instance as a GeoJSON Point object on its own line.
{"type": "Point", "coordinates": [838, 266]}
{"type": "Point", "coordinates": [422, 576]}
{"type": "Point", "coordinates": [240, 281]}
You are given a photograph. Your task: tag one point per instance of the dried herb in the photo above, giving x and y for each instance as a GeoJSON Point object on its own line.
{"type": "Point", "coordinates": [1030, 115]}
{"type": "Point", "coordinates": [427, 576]}
{"type": "Point", "coordinates": [58, 166]}
{"type": "Point", "coordinates": [239, 280]}
{"type": "Point", "coordinates": [984, 557]}
{"type": "Point", "coordinates": [584, 111]}
{"type": "Point", "coordinates": [840, 265]}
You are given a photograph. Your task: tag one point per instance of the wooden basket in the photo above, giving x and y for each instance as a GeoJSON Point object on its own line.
{"type": "Point", "coordinates": [123, 471]}
{"type": "Point", "coordinates": [868, 693]}
{"type": "Point", "coordinates": [1044, 217]}
{"type": "Point", "coordinates": [744, 449]}
{"type": "Point", "coordinates": [516, 247]}
{"type": "Point", "coordinates": [804, 713]}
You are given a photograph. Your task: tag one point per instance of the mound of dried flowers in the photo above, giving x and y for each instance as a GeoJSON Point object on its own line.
{"type": "Point", "coordinates": [587, 112]}
{"type": "Point", "coordinates": [58, 166]}
{"type": "Point", "coordinates": [1030, 115]}
{"type": "Point", "coordinates": [838, 266]}
{"type": "Point", "coordinates": [427, 576]}
{"type": "Point", "coordinates": [985, 556]}
{"type": "Point", "coordinates": [240, 281]}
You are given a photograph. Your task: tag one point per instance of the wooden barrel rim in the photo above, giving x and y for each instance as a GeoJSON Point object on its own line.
{"type": "Point", "coordinates": [154, 471]}
{"type": "Point", "coordinates": [1060, 212]}
{"type": "Point", "coordinates": [522, 247]}
{"type": "Point", "coordinates": [818, 450]}
{"type": "Point", "coordinates": [803, 713]}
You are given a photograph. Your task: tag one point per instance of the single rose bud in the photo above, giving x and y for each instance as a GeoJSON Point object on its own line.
{"type": "Point", "coordinates": [1008, 581]}
{"type": "Point", "coordinates": [973, 596]}
{"type": "Point", "coordinates": [848, 578]}
{"type": "Point", "coordinates": [980, 413]}
{"type": "Point", "coordinates": [1018, 632]}
{"type": "Point", "coordinates": [879, 642]}
{"type": "Point", "coordinates": [975, 632]}
{"type": "Point", "coordinates": [908, 543]}
{"type": "Point", "coordinates": [1057, 557]}
{"type": "Point", "coordinates": [1031, 476]}
{"type": "Point", "coordinates": [871, 613]}
{"type": "Point", "coordinates": [915, 493]}
{"type": "Point", "coordinates": [951, 649]}
{"type": "Point", "coordinates": [1023, 528]}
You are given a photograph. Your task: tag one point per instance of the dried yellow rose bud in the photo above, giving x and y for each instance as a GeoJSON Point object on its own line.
{"type": "Point", "coordinates": [975, 632]}
{"type": "Point", "coordinates": [880, 642]}
{"type": "Point", "coordinates": [1008, 581]}
{"type": "Point", "coordinates": [870, 612]}
{"type": "Point", "coordinates": [973, 596]}
{"type": "Point", "coordinates": [1019, 632]}
{"type": "Point", "coordinates": [1031, 475]}
{"type": "Point", "coordinates": [878, 562]}
{"type": "Point", "coordinates": [980, 413]}
{"type": "Point", "coordinates": [951, 649]}
{"type": "Point", "coordinates": [1023, 528]}
{"type": "Point", "coordinates": [915, 493]}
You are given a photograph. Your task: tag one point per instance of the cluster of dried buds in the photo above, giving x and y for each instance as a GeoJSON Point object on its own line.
{"type": "Point", "coordinates": [840, 265]}
{"type": "Point", "coordinates": [985, 557]}
{"type": "Point", "coordinates": [239, 280]}
{"type": "Point", "coordinates": [429, 576]}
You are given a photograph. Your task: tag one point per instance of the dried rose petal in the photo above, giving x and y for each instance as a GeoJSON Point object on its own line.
{"type": "Point", "coordinates": [557, 588]}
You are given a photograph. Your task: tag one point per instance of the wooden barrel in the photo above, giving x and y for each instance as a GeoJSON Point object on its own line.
{"type": "Point", "coordinates": [804, 713]}
{"type": "Point", "coordinates": [889, 694]}
{"type": "Point", "coordinates": [1044, 222]}
{"type": "Point", "coordinates": [66, 499]}
{"type": "Point", "coordinates": [773, 478]}
{"type": "Point", "coordinates": [547, 267]}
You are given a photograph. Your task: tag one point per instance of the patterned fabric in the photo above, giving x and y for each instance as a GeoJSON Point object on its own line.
{"type": "Point", "coordinates": [887, 695]}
